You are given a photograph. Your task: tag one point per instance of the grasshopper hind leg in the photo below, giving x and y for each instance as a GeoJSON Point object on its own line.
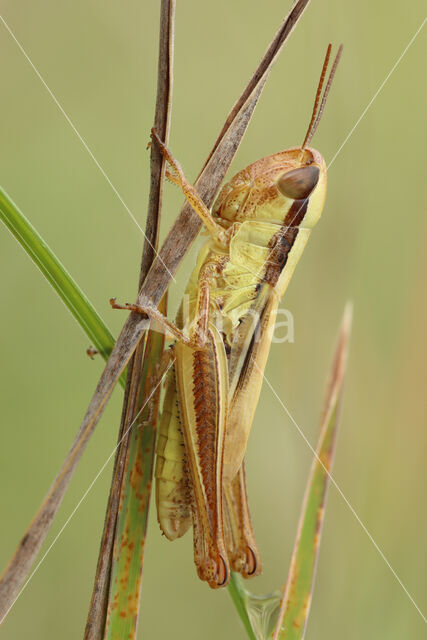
{"type": "Point", "coordinates": [202, 382]}
{"type": "Point", "coordinates": [241, 545]}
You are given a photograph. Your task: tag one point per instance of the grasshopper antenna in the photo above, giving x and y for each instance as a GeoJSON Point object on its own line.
{"type": "Point", "coordinates": [317, 111]}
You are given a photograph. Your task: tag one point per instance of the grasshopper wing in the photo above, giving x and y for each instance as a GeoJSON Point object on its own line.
{"type": "Point", "coordinates": [173, 489]}
{"type": "Point", "coordinates": [248, 357]}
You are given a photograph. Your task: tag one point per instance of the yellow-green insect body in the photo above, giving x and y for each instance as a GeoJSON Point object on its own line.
{"type": "Point", "coordinates": [268, 231]}
{"type": "Point", "coordinates": [258, 229]}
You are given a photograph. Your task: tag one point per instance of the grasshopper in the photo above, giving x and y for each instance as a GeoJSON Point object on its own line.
{"type": "Point", "coordinates": [258, 229]}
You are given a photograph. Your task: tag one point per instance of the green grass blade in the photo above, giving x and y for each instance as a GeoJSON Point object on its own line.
{"type": "Point", "coordinates": [295, 605]}
{"type": "Point", "coordinates": [129, 545]}
{"type": "Point", "coordinates": [57, 275]}
{"type": "Point", "coordinates": [241, 597]}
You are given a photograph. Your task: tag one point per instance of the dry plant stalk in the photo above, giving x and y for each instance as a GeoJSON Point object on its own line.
{"type": "Point", "coordinates": [155, 284]}
{"type": "Point", "coordinates": [131, 406]}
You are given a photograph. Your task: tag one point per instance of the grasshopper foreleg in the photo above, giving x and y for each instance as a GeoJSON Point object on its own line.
{"type": "Point", "coordinates": [177, 176]}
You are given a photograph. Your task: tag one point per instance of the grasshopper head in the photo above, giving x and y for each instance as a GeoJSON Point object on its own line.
{"type": "Point", "coordinates": [270, 189]}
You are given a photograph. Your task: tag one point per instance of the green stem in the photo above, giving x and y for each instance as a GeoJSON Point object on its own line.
{"type": "Point", "coordinates": [57, 275]}
{"type": "Point", "coordinates": [239, 597]}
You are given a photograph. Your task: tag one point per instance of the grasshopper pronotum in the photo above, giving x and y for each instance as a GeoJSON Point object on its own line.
{"type": "Point", "coordinates": [258, 228]}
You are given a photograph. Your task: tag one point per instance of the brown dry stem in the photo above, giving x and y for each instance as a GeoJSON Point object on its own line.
{"type": "Point", "coordinates": [99, 602]}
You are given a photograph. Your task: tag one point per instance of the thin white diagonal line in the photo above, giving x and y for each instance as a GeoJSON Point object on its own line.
{"type": "Point", "coordinates": [82, 140]}
{"type": "Point", "coordinates": [340, 491]}
{"type": "Point", "coordinates": [82, 499]}
{"type": "Point", "coordinates": [376, 94]}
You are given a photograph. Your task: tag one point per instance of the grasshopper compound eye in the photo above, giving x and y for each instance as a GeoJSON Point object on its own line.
{"type": "Point", "coordinates": [298, 183]}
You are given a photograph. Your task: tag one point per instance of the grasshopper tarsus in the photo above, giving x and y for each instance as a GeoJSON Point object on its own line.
{"type": "Point", "coordinates": [127, 306]}
{"type": "Point", "coordinates": [247, 563]}
{"type": "Point", "coordinates": [215, 571]}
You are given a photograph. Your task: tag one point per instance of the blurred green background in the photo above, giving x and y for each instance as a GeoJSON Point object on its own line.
{"type": "Point", "coordinates": [99, 58]}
